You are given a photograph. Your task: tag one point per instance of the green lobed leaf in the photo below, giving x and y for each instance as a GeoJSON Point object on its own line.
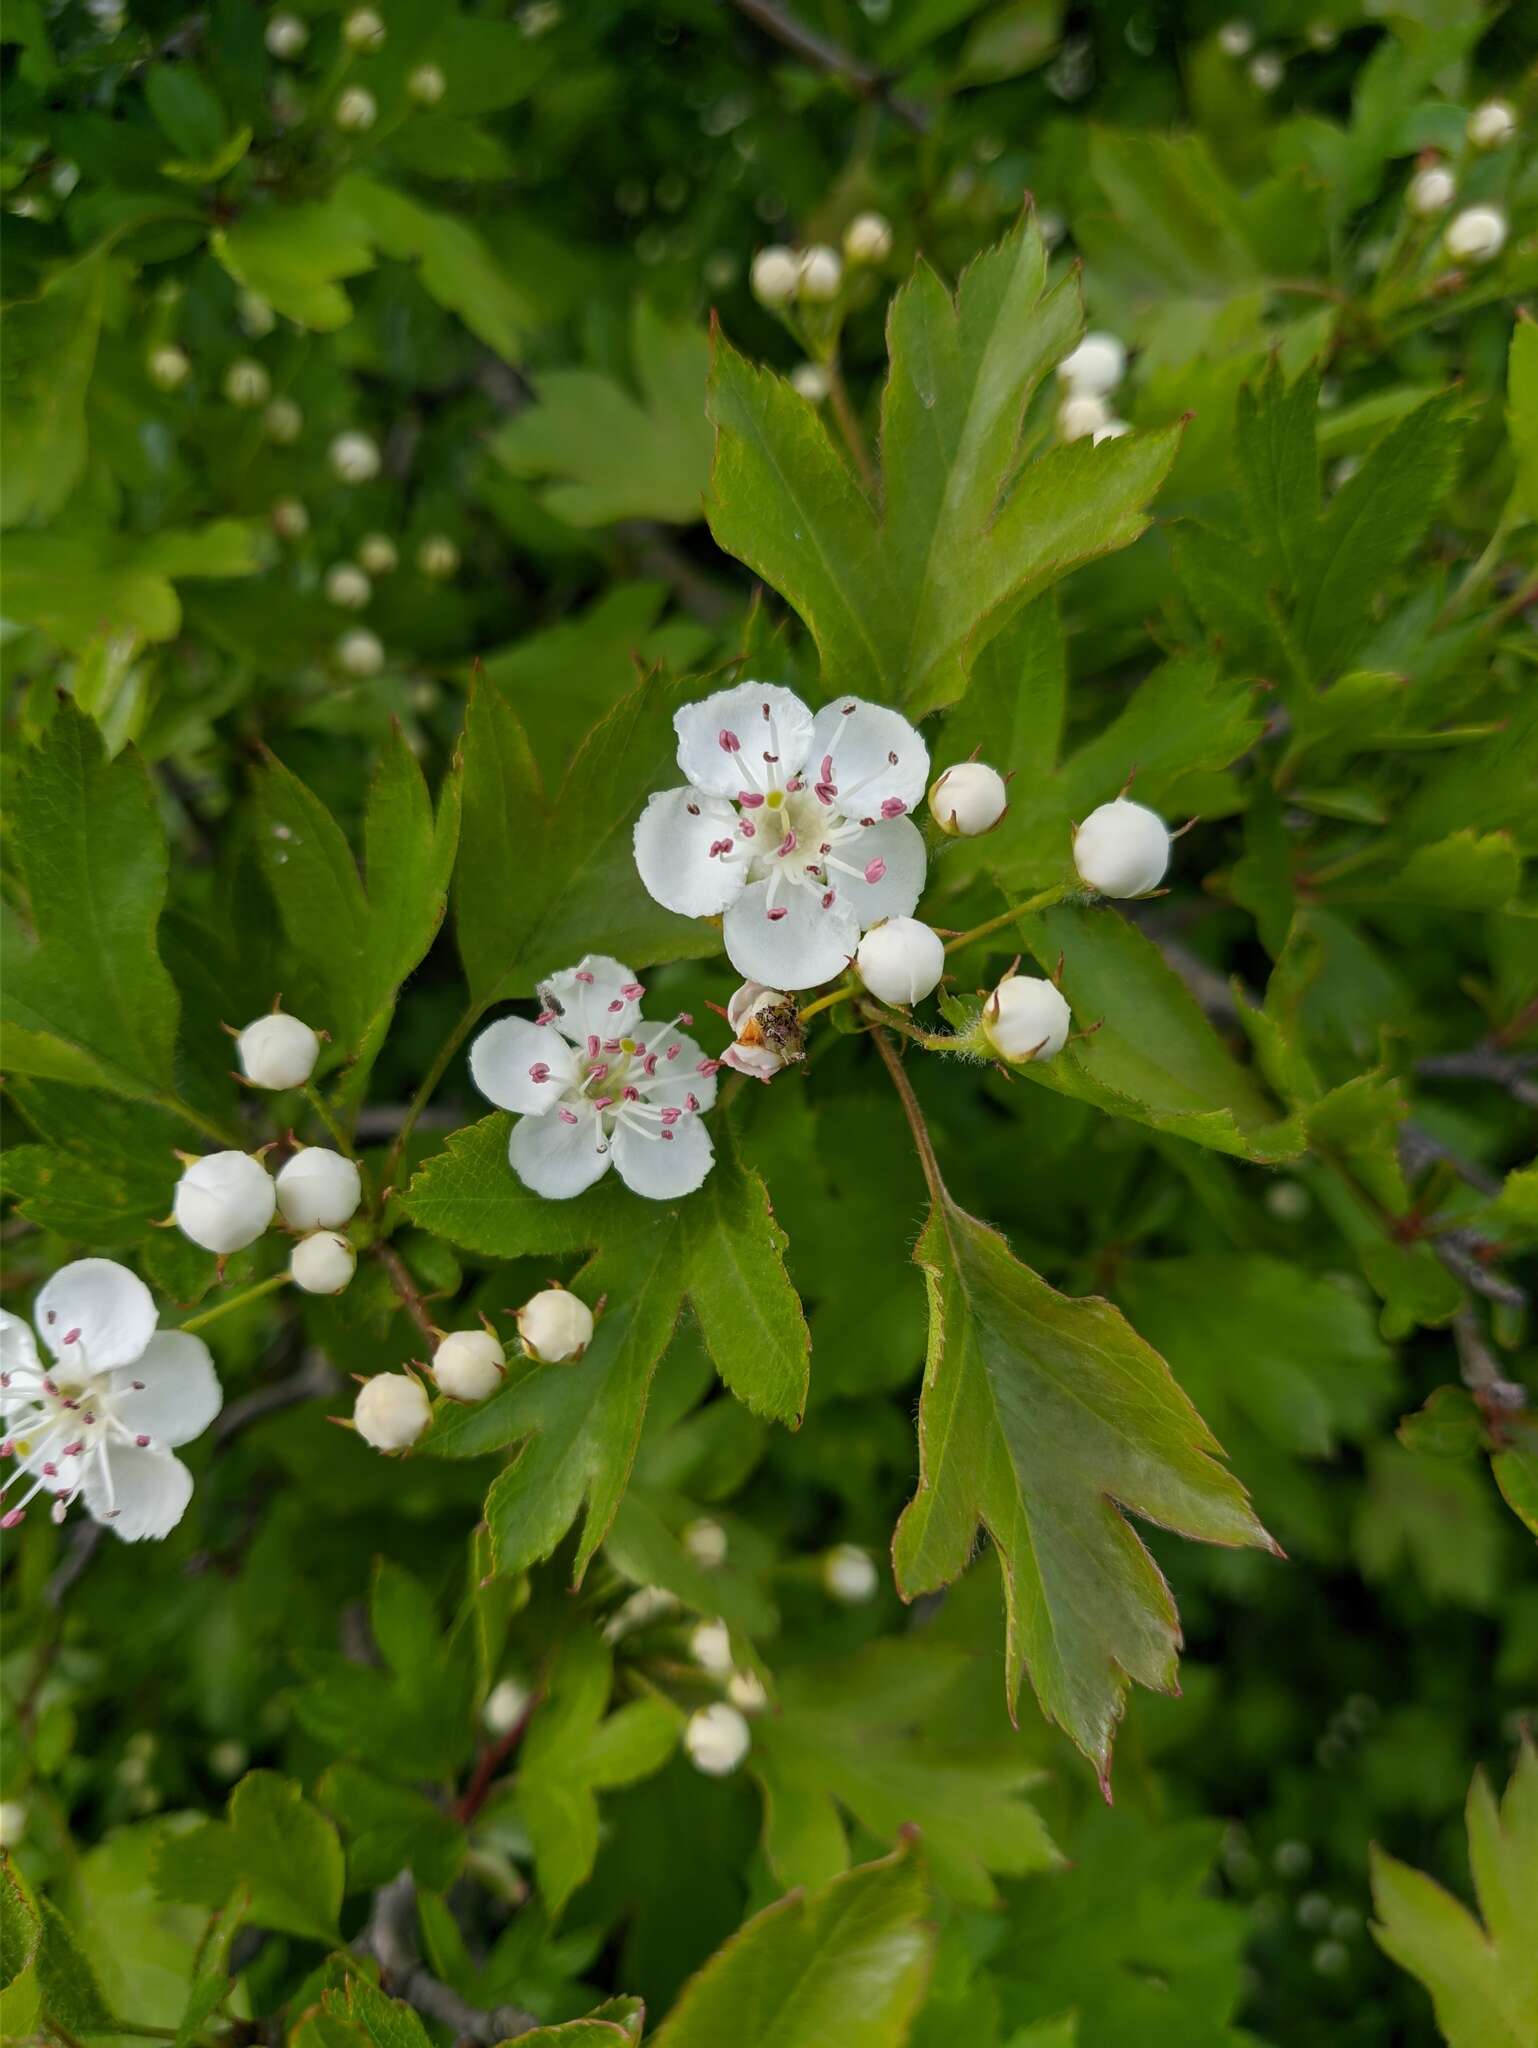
{"type": "Point", "coordinates": [47, 354]}
{"type": "Point", "coordinates": [390, 1828]}
{"type": "Point", "coordinates": [274, 1842]}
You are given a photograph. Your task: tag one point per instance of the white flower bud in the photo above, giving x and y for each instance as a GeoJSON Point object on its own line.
{"type": "Point", "coordinates": [355, 110]}
{"type": "Point", "coordinates": [290, 520]}
{"type": "Point", "coordinates": [286, 36]}
{"type": "Point", "coordinates": [506, 1705]}
{"type": "Point", "coordinates": [354, 457]}
{"type": "Point", "coordinates": [169, 366]}
{"type": "Point", "coordinates": [277, 1051]}
{"type": "Point", "coordinates": [1111, 431]}
{"type": "Point", "coordinates": [468, 1365]}
{"type": "Point", "coordinates": [1267, 71]}
{"type": "Point", "coordinates": [322, 1263]}
{"type": "Point", "coordinates": [427, 85]}
{"type": "Point", "coordinates": [360, 652]}
{"type": "Point", "coordinates": [705, 1542]}
{"type": "Point", "coordinates": [769, 1034]}
{"type": "Point", "coordinates": [348, 587]}
{"type": "Point", "coordinates": [319, 1189]}
{"type": "Point", "coordinates": [819, 275]}
{"type": "Point", "coordinates": [1081, 415]}
{"type": "Point", "coordinates": [1095, 367]}
{"type": "Point", "coordinates": [868, 238]}
{"type": "Point", "coordinates": [901, 960]}
{"type": "Point", "coordinates": [1026, 1019]}
{"type": "Point", "coordinates": [438, 557]}
{"type": "Point", "coordinates": [13, 1822]}
{"type": "Point", "coordinates": [810, 381]}
{"type": "Point", "coordinates": [391, 1411]}
{"type": "Point", "coordinates": [745, 1690]}
{"type": "Point", "coordinates": [1236, 39]}
{"type": "Point", "coordinates": [283, 421]}
{"type": "Point", "coordinates": [968, 799]}
{"type": "Point", "coordinates": [555, 1326]}
{"type": "Point", "coordinates": [710, 1645]}
{"type": "Point", "coordinates": [716, 1739]}
{"type": "Point", "coordinates": [1476, 235]}
{"type": "Point", "coordinates": [377, 554]}
{"type": "Point", "coordinates": [774, 276]}
{"type": "Point", "coordinates": [256, 317]}
{"type": "Point", "coordinates": [224, 1201]}
{"type": "Point", "coordinates": [363, 30]}
{"type": "Point", "coordinates": [247, 384]}
{"type": "Point", "coordinates": [1122, 849]}
{"type": "Point", "coordinates": [644, 1606]}
{"type": "Point", "coordinates": [1431, 191]}
{"type": "Point", "coordinates": [849, 1574]}
{"type": "Point", "coordinates": [1492, 125]}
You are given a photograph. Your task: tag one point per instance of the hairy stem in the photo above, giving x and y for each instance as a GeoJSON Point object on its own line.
{"type": "Point", "coordinates": [1042, 901]}
{"type": "Point", "coordinates": [428, 1089]}
{"type": "Point", "coordinates": [234, 1301]}
{"type": "Point", "coordinates": [923, 1144]}
{"type": "Point", "coordinates": [410, 1298]}
{"type": "Point", "coordinates": [849, 426]}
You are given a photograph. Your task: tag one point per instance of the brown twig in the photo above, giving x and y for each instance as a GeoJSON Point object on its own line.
{"type": "Point", "coordinates": [1513, 1071]}
{"type": "Point", "coordinates": [488, 1763]}
{"type": "Point", "coordinates": [825, 55]}
{"type": "Point", "coordinates": [1481, 1374]}
{"type": "Point", "coordinates": [390, 1937]}
{"type": "Point", "coordinates": [411, 1300]}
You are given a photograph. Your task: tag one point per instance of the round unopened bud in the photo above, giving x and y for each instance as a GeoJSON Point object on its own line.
{"type": "Point", "coordinates": [255, 315]}
{"type": "Point", "coordinates": [1082, 415]}
{"type": "Point", "coordinates": [555, 1326]}
{"type": "Point", "coordinates": [1095, 367]}
{"type": "Point", "coordinates": [247, 384]}
{"type": "Point", "coordinates": [355, 110]}
{"type": "Point", "coordinates": [810, 381]}
{"type": "Point", "coordinates": [377, 554]}
{"type": "Point", "coordinates": [900, 961]}
{"type": "Point", "coordinates": [348, 587]}
{"type": "Point", "coordinates": [427, 85]}
{"type": "Point", "coordinates": [319, 1189]}
{"type": "Point", "coordinates": [283, 421]}
{"type": "Point", "coordinates": [506, 1705]}
{"type": "Point", "coordinates": [354, 457]}
{"type": "Point", "coordinates": [13, 1822]}
{"type": "Point", "coordinates": [1492, 125]}
{"type": "Point", "coordinates": [1111, 431]}
{"type": "Point", "coordinates": [228, 1759]}
{"type": "Point", "coordinates": [1477, 235]}
{"type": "Point", "coordinates": [819, 275]}
{"type": "Point", "coordinates": [710, 1645]}
{"type": "Point", "coordinates": [363, 30]}
{"type": "Point", "coordinates": [468, 1365]}
{"type": "Point", "coordinates": [745, 1690]}
{"type": "Point", "coordinates": [290, 520]}
{"type": "Point", "coordinates": [968, 799]}
{"type": "Point", "coordinates": [774, 276]}
{"type": "Point", "coordinates": [391, 1411]}
{"type": "Point", "coordinates": [169, 366]}
{"type": "Point", "coordinates": [716, 1739]}
{"type": "Point", "coordinates": [1236, 39]}
{"type": "Point", "coordinates": [849, 1574]}
{"type": "Point", "coordinates": [1431, 191]}
{"type": "Point", "coordinates": [868, 238]}
{"type": "Point", "coordinates": [277, 1051]}
{"type": "Point", "coordinates": [360, 652]}
{"type": "Point", "coordinates": [1122, 849]}
{"type": "Point", "coordinates": [224, 1201]}
{"type": "Point", "coordinates": [1267, 71]}
{"type": "Point", "coordinates": [322, 1263]}
{"type": "Point", "coordinates": [705, 1542]}
{"type": "Point", "coordinates": [1026, 1019]}
{"type": "Point", "coordinates": [286, 36]}
{"type": "Point", "coordinates": [438, 557]}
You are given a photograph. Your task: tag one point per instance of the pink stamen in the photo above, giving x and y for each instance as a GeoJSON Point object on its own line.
{"type": "Point", "coordinates": [666, 1134]}
{"type": "Point", "coordinates": [827, 901]}
{"type": "Point", "coordinates": [72, 1336]}
{"type": "Point", "coordinates": [631, 1094]}
{"type": "Point", "coordinates": [708, 1067]}
{"type": "Point", "coordinates": [547, 1016]}
{"type": "Point", "coordinates": [592, 1045]}
{"type": "Point", "coordinates": [50, 1471]}
{"type": "Point", "coordinates": [73, 1450]}
{"type": "Point", "coordinates": [786, 845]}
{"type": "Point", "coordinates": [749, 799]}
{"type": "Point", "coordinates": [567, 1116]}
{"type": "Point", "coordinates": [673, 1051]}
{"type": "Point", "coordinates": [728, 742]}
{"type": "Point", "coordinates": [875, 870]}
{"type": "Point", "coordinates": [795, 784]}
{"type": "Point", "coordinates": [632, 991]}
{"type": "Point", "coordinates": [581, 974]}
{"type": "Point", "coordinates": [671, 1116]}
{"type": "Point", "coordinates": [747, 829]}
{"type": "Point", "coordinates": [893, 807]}
{"type": "Point", "coordinates": [143, 1442]}
{"type": "Point", "coordinates": [617, 1005]}
{"type": "Point", "coordinates": [540, 1071]}
{"type": "Point", "coordinates": [827, 768]}
{"type": "Point", "coordinates": [691, 1102]}
{"type": "Point", "coordinates": [649, 1065]}
{"type": "Point", "coordinates": [774, 916]}
{"type": "Point", "coordinates": [13, 1519]}
{"type": "Point", "coordinates": [824, 792]}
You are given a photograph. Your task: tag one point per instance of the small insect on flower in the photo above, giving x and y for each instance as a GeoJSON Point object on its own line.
{"type": "Point", "coordinates": [555, 1326]}
{"type": "Point", "coordinates": [1477, 235]}
{"type": "Point", "coordinates": [277, 1051]}
{"type": "Point", "coordinates": [901, 960]}
{"type": "Point", "coordinates": [468, 1365]}
{"type": "Point", "coordinates": [968, 799]}
{"type": "Point", "coordinates": [849, 1574]}
{"type": "Point", "coordinates": [769, 1032]}
{"type": "Point", "coordinates": [391, 1411]}
{"type": "Point", "coordinates": [1026, 1019]}
{"type": "Point", "coordinates": [322, 1263]}
{"type": "Point", "coordinates": [717, 1739]}
{"type": "Point", "coordinates": [224, 1201]}
{"type": "Point", "coordinates": [319, 1189]}
{"type": "Point", "coordinates": [1122, 849]}
{"type": "Point", "coordinates": [774, 276]}
{"type": "Point", "coordinates": [101, 1421]}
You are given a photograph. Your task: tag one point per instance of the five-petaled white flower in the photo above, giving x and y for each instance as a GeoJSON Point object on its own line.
{"type": "Point", "coordinates": [102, 1420]}
{"type": "Point", "coordinates": [593, 1086]}
{"type": "Point", "coordinates": [796, 827]}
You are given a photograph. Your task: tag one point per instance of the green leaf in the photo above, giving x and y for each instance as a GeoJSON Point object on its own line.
{"type": "Point", "coordinates": [1466, 871]}
{"type": "Point", "coordinates": [1516, 1468]}
{"type": "Point", "coordinates": [1482, 1973]}
{"type": "Point", "coordinates": [1522, 414]}
{"type": "Point", "coordinates": [21, 1934]}
{"type": "Point", "coordinates": [389, 1829]}
{"type": "Point", "coordinates": [849, 1964]}
{"type": "Point", "coordinates": [616, 2023]}
{"type": "Point", "coordinates": [186, 109]}
{"type": "Point", "coordinates": [78, 586]}
{"type": "Point", "coordinates": [47, 354]}
{"type": "Point", "coordinates": [610, 455]}
{"type": "Point", "coordinates": [80, 1199]}
{"type": "Point", "coordinates": [1042, 1419]}
{"type": "Point", "coordinates": [900, 603]}
{"type": "Point", "coordinates": [372, 2019]}
{"type": "Point", "coordinates": [1437, 1516]}
{"type": "Point", "coordinates": [454, 265]}
{"type": "Point", "coordinates": [1275, 445]}
{"type": "Point", "coordinates": [275, 1842]}
{"type": "Point", "coordinates": [293, 255]}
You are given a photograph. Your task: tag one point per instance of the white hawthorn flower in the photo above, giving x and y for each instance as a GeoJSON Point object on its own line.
{"type": "Point", "coordinates": [593, 1085]}
{"type": "Point", "coordinates": [360, 652]}
{"type": "Point", "coordinates": [363, 30]}
{"type": "Point", "coordinates": [849, 1574]}
{"type": "Point", "coordinates": [283, 422]}
{"type": "Point", "coordinates": [810, 381]}
{"type": "Point", "coordinates": [868, 238]}
{"type": "Point", "coordinates": [819, 274]}
{"type": "Point", "coordinates": [100, 1423]}
{"type": "Point", "coordinates": [377, 554]}
{"type": "Point", "coordinates": [774, 276]}
{"type": "Point", "coordinates": [796, 827]}
{"type": "Point", "coordinates": [555, 1326]}
{"type": "Point", "coordinates": [1081, 415]}
{"type": "Point", "coordinates": [768, 1028]}
{"type": "Point", "coordinates": [348, 587]}
{"type": "Point", "coordinates": [710, 1645]}
{"type": "Point", "coordinates": [354, 457]}
{"type": "Point", "coordinates": [1477, 235]}
{"type": "Point", "coordinates": [224, 1201]}
{"type": "Point", "coordinates": [745, 1690]}
{"type": "Point", "coordinates": [1122, 849]}
{"type": "Point", "coordinates": [1026, 1019]}
{"type": "Point", "coordinates": [716, 1739]}
{"type": "Point", "coordinates": [356, 109]}
{"type": "Point", "coordinates": [286, 36]}
{"type": "Point", "coordinates": [427, 85]}
{"type": "Point", "coordinates": [290, 520]}
{"type": "Point", "coordinates": [438, 557]}
{"type": "Point", "coordinates": [1095, 367]}
{"type": "Point", "coordinates": [277, 1051]}
{"type": "Point", "coordinates": [704, 1541]}
{"type": "Point", "coordinates": [322, 1263]}
{"type": "Point", "coordinates": [169, 366]}
{"type": "Point", "coordinates": [1431, 191]}
{"type": "Point", "coordinates": [247, 384]}
{"type": "Point", "coordinates": [968, 799]}
{"type": "Point", "coordinates": [391, 1411]}
{"type": "Point", "coordinates": [468, 1365]}
{"type": "Point", "coordinates": [1236, 39]}
{"type": "Point", "coordinates": [900, 960]}
{"type": "Point", "coordinates": [1492, 125]}
{"type": "Point", "coordinates": [319, 1189]}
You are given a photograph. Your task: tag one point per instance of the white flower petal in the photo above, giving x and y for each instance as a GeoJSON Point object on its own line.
{"type": "Point", "coordinates": [680, 1076]}
{"type": "Point", "coordinates": [706, 732]}
{"type": "Point", "coordinates": [506, 1057]}
{"type": "Point", "coordinates": [673, 840]}
{"type": "Point", "coordinates": [143, 1494]}
{"type": "Point", "coordinates": [860, 740]}
{"type": "Point", "coordinates": [663, 1168]}
{"type": "Point", "coordinates": [597, 998]}
{"type": "Point", "coordinates": [557, 1159]}
{"type": "Point", "coordinates": [95, 1314]}
{"type": "Point", "coordinates": [900, 846]}
{"type": "Point", "coordinates": [18, 1346]}
{"type": "Point", "coordinates": [806, 946]}
{"type": "Point", "coordinates": [180, 1395]}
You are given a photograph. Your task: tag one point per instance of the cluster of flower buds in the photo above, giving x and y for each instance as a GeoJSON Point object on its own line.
{"type": "Point", "coordinates": [1088, 375]}
{"type": "Point", "coordinates": [815, 275]}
